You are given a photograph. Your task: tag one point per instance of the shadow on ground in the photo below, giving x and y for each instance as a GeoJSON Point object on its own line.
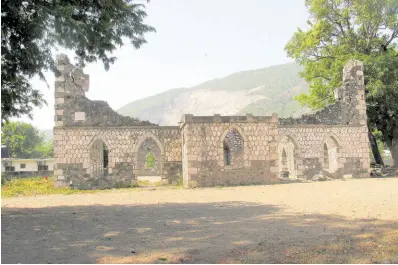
{"type": "Point", "coordinates": [229, 232]}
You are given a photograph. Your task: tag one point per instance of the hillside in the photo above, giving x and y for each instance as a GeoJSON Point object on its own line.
{"type": "Point", "coordinates": [260, 92]}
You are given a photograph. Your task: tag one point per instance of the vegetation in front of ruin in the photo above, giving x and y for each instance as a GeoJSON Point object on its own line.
{"type": "Point", "coordinates": [352, 29]}
{"type": "Point", "coordinates": [32, 30]}
{"type": "Point", "coordinates": [25, 141]}
{"type": "Point", "coordinates": [34, 186]}
{"type": "Point", "coordinates": [45, 186]}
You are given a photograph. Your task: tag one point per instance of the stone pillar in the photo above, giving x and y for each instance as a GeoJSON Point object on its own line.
{"type": "Point", "coordinates": [353, 91]}
{"type": "Point", "coordinates": [353, 94]}
{"type": "Point", "coordinates": [69, 83]}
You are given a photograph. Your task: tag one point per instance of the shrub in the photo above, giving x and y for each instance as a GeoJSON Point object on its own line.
{"type": "Point", "coordinates": [35, 186]}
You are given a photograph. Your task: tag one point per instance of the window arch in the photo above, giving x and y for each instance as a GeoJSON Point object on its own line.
{"type": "Point", "coordinates": [233, 148]}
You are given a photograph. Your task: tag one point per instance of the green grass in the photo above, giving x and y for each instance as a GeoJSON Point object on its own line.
{"type": "Point", "coordinates": [42, 186]}
{"type": "Point", "coordinates": [35, 186]}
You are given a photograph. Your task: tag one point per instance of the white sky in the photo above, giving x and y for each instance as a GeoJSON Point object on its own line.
{"type": "Point", "coordinates": [196, 41]}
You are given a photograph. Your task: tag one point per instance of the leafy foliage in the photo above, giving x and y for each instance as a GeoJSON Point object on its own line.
{"type": "Point", "coordinates": [44, 149]}
{"type": "Point", "coordinates": [150, 162]}
{"type": "Point", "coordinates": [25, 141]}
{"type": "Point", "coordinates": [340, 30]}
{"type": "Point", "coordinates": [31, 30]}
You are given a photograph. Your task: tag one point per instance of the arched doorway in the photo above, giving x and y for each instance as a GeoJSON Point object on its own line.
{"type": "Point", "coordinates": [287, 153]}
{"type": "Point", "coordinates": [149, 160]}
{"type": "Point", "coordinates": [99, 159]}
{"type": "Point", "coordinates": [330, 154]}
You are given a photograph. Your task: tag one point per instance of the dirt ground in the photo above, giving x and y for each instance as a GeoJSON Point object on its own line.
{"type": "Point", "coordinates": [354, 221]}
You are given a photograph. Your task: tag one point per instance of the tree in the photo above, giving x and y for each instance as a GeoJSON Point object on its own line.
{"type": "Point", "coordinates": [44, 150]}
{"type": "Point", "coordinates": [150, 162]}
{"type": "Point", "coordinates": [21, 139]}
{"type": "Point", "coordinates": [32, 29]}
{"type": "Point", "coordinates": [340, 30]}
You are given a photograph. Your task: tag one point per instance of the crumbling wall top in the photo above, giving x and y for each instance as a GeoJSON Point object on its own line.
{"type": "Point", "coordinates": [73, 108]}
{"type": "Point", "coordinates": [217, 118]}
{"type": "Point", "coordinates": [74, 79]}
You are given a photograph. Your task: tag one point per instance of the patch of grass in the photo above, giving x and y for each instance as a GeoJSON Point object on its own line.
{"type": "Point", "coordinates": [180, 180]}
{"type": "Point", "coordinates": [45, 186]}
{"type": "Point", "coordinates": [35, 186]}
{"type": "Point", "coordinates": [144, 183]}
{"type": "Point", "coordinates": [162, 259]}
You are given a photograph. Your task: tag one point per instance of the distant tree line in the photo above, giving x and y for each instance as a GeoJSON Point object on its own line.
{"type": "Point", "coordinates": [25, 141]}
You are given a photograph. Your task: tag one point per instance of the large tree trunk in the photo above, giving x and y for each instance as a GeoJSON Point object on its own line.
{"type": "Point", "coordinates": [393, 146]}
{"type": "Point", "coordinates": [375, 149]}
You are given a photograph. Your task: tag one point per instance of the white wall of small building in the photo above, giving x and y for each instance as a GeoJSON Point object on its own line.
{"type": "Point", "coordinates": [30, 165]}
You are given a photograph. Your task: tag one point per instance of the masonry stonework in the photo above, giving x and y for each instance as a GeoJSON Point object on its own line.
{"type": "Point", "coordinates": [95, 147]}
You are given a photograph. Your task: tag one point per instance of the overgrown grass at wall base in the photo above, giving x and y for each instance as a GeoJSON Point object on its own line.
{"type": "Point", "coordinates": [45, 186]}
{"type": "Point", "coordinates": [34, 186]}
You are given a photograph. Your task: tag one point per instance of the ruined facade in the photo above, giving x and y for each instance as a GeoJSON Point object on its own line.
{"type": "Point", "coordinates": [96, 147]}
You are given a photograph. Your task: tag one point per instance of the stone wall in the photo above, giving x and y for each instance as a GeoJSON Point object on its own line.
{"type": "Point", "coordinates": [95, 147]}
{"type": "Point", "coordinates": [342, 126]}
{"type": "Point", "coordinates": [72, 148]}
{"type": "Point", "coordinates": [204, 150]}
{"type": "Point", "coordinates": [351, 142]}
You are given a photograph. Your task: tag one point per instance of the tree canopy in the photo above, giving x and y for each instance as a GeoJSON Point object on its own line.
{"type": "Point", "coordinates": [32, 29]}
{"type": "Point", "coordinates": [25, 141]}
{"type": "Point", "coordinates": [340, 30]}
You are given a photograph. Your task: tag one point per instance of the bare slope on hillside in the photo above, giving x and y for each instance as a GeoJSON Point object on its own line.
{"type": "Point", "coordinates": [260, 92]}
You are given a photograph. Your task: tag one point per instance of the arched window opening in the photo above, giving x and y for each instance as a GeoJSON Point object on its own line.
{"type": "Point", "coordinates": [233, 146]}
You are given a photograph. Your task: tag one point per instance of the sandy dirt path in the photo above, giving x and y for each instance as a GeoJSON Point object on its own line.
{"type": "Point", "coordinates": [351, 221]}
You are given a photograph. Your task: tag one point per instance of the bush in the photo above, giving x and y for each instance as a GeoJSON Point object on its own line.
{"type": "Point", "coordinates": [34, 186]}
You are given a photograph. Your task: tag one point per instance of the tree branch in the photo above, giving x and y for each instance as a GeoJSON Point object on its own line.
{"type": "Point", "coordinates": [393, 36]}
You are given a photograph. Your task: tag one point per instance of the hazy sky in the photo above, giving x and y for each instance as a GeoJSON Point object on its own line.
{"type": "Point", "coordinates": [196, 40]}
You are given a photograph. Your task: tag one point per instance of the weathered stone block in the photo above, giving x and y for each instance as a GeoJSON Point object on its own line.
{"type": "Point", "coordinates": [80, 116]}
{"type": "Point", "coordinates": [59, 100]}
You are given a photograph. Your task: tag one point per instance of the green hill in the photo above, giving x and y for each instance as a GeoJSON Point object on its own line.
{"type": "Point", "coordinates": [260, 92]}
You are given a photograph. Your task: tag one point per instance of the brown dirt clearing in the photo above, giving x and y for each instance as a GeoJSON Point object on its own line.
{"type": "Point", "coordinates": [353, 221]}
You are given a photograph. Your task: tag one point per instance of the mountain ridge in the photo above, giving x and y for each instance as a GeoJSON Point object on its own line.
{"type": "Point", "coordinates": [259, 92]}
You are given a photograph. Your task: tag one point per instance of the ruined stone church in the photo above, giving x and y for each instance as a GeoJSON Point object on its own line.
{"type": "Point", "coordinates": [95, 147]}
